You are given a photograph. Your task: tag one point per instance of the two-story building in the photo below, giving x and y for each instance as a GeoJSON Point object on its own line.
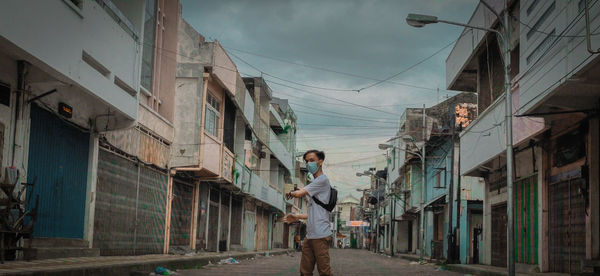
{"type": "Point", "coordinates": [552, 74]}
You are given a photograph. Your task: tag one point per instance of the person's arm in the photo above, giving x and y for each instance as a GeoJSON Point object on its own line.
{"type": "Point", "coordinates": [291, 218]}
{"type": "Point", "coordinates": [297, 193]}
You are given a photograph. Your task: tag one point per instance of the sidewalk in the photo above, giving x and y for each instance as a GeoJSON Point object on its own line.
{"type": "Point", "coordinates": [122, 265]}
{"type": "Point", "coordinates": [487, 270]}
{"type": "Point", "coordinates": [477, 269]}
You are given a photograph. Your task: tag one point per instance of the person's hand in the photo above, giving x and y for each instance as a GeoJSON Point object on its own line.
{"type": "Point", "coordinates": [290, 218]}
{"type": "Point", "coordinates": [289, 195]}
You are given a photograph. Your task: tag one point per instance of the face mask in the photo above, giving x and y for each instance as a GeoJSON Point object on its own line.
{"type": "Point", "coordinates": [312, 167]}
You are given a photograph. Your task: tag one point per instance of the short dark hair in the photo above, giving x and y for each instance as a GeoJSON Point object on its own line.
{"type": "Point", "coordinates": [318, 153]}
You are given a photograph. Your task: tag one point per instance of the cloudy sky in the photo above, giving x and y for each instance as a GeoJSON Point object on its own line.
{"type": "Point", "coordinates": [318, 53]}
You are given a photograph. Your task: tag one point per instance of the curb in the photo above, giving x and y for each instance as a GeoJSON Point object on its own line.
{"type": "Point", "coordinates": [142, 267]}
{"type": "Point", "coordinates": [474, 271]}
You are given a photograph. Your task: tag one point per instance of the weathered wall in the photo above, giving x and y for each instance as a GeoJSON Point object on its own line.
{"type": "Point", "coordinates": [185, 150]}
{"type": "Point", "coordinates": [167, 56]}
{"type": "Point", "coordinates": [115, 228]}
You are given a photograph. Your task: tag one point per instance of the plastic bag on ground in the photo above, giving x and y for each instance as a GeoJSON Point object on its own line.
{"type": "Point", "coordinates": [164, 271]}
{"type": "Point", "coordinates": [229, 261]}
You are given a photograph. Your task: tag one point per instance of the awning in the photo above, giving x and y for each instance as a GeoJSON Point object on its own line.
{"type": "Point", "coordinates": [410, 214]}
{"type": "Point", "coordinates": [436, 204]}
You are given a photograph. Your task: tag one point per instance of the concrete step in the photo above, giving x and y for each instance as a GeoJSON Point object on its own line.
{"type": "Point", "coordinates": [57, 242]}
{"type": "Point", "coordinates": [237, 247]}
{"type": "Point", "coordinates": [41, 253]}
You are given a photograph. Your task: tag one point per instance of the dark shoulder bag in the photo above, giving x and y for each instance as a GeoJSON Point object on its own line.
{"type": "Point", "coordinates": [332, 200]}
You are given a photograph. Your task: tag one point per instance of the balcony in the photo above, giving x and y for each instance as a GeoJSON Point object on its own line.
{"type": "Point", "coordinates": [258, 188]}
{"type": "Point", "coordinates": [485, 138]}
{"type": "Point", "coordinates": [459, 74]}
{"type": "Point", "coordinates": [281, 152]}
{"type": "Point", "coordinates": [68, 44]}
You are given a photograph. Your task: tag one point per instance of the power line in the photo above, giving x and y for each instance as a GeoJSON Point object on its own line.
{"type": "Point", "coordinates": [343, 117]}
{"type": "Point", "coordinates": [286, 80]}
{"type": "Point", "coordinates": [546, 33]}
{"type": "Point", "coordinates": [406, 104]}
{"type": "Point", "coordinates": [332, 71]}
{"type": "Point", "coordinates": [339, 113]}
{"type": "Point", "coordinates": [332, 98]}
{"type": "Point", "coordinates": [352, 126]}
{"type": "Point", "coordinates": [411, 67]}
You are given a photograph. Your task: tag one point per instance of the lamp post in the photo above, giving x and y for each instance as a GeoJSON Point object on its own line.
{"type": "Point", "coordinates": [417, 20]}
{"type": "Point", "coordinates": [376, 194]}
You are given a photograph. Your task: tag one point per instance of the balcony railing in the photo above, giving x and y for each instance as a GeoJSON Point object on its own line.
{"type": "Point", "coordinates": [280, 151]}
{"type": "Point", "coordinates": [227, 167]}
{"type": "Point", "coordinates": [257, 187]}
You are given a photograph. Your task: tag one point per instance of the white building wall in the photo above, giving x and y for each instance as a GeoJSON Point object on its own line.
{"type": "Point", "coordinates": [53, 35]}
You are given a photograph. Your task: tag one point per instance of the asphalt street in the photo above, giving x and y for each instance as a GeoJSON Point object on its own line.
{"type": "Point", "coordinates": [343, 261]}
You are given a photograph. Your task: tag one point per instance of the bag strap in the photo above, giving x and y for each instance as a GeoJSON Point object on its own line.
{"type": "Point", "coordinates": [320, 202]}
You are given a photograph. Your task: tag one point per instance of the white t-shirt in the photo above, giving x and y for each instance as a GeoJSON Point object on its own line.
{"type": "Point", "coordinates": [318, 225]}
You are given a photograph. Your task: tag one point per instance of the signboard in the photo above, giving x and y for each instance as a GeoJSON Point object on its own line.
{"type": "Point", "coordinates": [357, 223]}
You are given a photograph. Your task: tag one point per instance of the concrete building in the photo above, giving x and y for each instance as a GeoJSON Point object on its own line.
{"type": "Point", "coordinates": [133, 163]}
{"type": "Point", "coordinates": [60, 92]}
{"type": "Point", "coordinates": [555, 155]}
{"type": "Point", "coordinates": [446, 221]}
{"type": "Point", "coordinates": [236, 142]}
{"type": "Point", "coordinates": [345, 210]}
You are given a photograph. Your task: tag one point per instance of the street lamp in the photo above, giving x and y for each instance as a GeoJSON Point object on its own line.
{"type": "Point", "coordinates": [387, 146]}
{"type": "Point", "coordinates": [419, 20]}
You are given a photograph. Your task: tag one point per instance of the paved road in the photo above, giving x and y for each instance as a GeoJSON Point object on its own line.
{"type": "Point", "coordinates": [344, 262]}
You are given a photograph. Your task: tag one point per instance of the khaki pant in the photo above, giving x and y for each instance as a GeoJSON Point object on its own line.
{"type": "Point", "coordinates": [315, 251]}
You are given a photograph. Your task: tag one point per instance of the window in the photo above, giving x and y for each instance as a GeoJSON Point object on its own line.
{"type": "Point", "coordinates": [4, 94]}
{"type": "Point", "coordinates": [212, 115]}
{"type": "Point", "coordinates": [543, 46]}
{"type": "Point", "coordinates": [541, 20]}
{"type": "Point", "coordinates": [438, 179]}
{"type": "Point", "coordinates": [148, 45]}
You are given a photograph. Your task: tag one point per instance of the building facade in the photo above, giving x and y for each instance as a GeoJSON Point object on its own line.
{"type": "Point", "coordinates": [174, 151]}
{"type": "Point", "coordinates": [555, 157]}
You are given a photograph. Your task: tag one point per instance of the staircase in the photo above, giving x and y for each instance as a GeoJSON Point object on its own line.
{"type": "Point", "coordinates": [52, 248]}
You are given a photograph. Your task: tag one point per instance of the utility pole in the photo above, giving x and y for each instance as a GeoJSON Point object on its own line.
{"type": "Point", "coordinates": [377, 242]}
{"type": "Point", "coordinates": [392, 225]}
{"type": "Point", "coordinates": [510, 248]}
{"type": "Point", "coordinates": [423, 185]}
{"type": "Point", "coordinates": [451, 239]}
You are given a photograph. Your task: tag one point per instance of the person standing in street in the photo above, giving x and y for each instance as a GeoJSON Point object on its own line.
{"type": "Point", "coordinates": [315, 248]}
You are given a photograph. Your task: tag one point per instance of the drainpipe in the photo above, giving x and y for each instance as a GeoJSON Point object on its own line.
{"type": "Point", "coordinates": [21, 72]}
